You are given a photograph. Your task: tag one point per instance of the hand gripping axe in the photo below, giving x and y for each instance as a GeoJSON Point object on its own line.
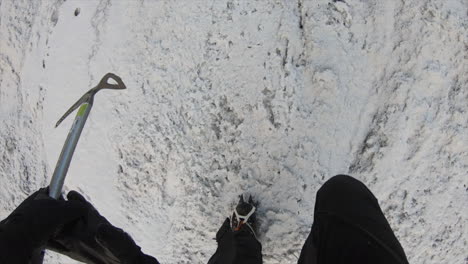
{"type": "Point", "coordinates": [85, 103]}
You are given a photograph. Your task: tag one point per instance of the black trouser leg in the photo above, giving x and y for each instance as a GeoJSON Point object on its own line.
{"type": "Point", "coordinates": [349, 227]}
{"type": "Point", "coordinates": [236, 247]}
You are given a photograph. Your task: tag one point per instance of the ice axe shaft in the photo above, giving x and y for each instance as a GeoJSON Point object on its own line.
{"type": "Point", "coordinates": [63, 163]}
{"type": "Point", "coordinates": [85, 103]}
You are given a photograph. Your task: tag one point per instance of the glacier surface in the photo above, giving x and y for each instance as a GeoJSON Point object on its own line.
{"type": "Point", "coordinates": [270, 98]}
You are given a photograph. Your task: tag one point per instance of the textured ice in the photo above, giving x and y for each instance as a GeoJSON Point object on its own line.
{"type": "Point", "coordinates": [266, 97]}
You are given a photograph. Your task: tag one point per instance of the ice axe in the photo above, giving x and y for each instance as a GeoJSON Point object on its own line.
{"type": "Point", "coordinates": [85, 103]}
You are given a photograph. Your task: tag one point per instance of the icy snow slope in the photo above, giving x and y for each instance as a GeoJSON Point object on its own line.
{"type": "Point", "coordinates": [267, 97]}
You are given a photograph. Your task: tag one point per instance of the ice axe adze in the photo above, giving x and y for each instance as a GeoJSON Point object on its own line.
{"type": "Point", "coordinates": [85, 103]}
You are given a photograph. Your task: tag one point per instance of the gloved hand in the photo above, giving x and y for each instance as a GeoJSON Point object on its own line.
{"type": "Point", "coordinates": [92, 239]}
{"type": "Point", "coordinates": [35, 221]}
{"type": "Point", "coordinates": [121, 245]}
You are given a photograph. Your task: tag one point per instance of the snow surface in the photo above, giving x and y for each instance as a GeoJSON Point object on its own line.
{"type": "Point", "coordinates": [265, 97]}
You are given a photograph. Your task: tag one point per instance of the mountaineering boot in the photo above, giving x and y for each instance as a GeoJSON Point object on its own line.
{"type": "Point", "coordinates": [237, 240]}
{"type": "Point", "coordinates": [244, 215]}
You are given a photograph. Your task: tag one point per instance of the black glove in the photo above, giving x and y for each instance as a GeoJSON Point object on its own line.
{"type": "Point", "coordinates": [92, 239]}
{"type": "Point", "coordinates": [121, 245]}
{"type": "Point", "coordinates": [35, 221]}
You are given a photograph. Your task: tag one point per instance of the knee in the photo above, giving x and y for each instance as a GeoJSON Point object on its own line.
{"type": "Point", "coordinates": [340, 181]}
{"type": "Point", "coordinates": [340, 186]}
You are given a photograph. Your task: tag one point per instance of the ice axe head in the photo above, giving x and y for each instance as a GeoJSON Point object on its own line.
{"type": "Point", "coordinates": [89, 95]}
{"type": "Point", "coordinates": [104, 83]}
